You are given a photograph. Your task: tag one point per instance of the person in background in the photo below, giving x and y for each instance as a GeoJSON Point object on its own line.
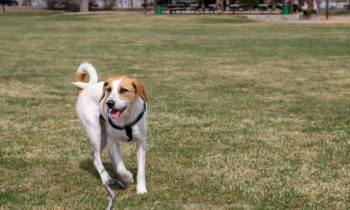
{"type": "Point", "coordinates": [295, 6]}
{"type": "Point", "coordinates": [314, 7]}
{"type": "Point", "coordinates": [305, 7]}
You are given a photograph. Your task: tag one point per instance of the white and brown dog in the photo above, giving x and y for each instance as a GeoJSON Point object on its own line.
{"type": "Point", "coordinates": [113, 111]}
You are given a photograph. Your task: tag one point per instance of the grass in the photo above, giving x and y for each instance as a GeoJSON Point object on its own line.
{"type": "Point", "coordinates": [243, 115]}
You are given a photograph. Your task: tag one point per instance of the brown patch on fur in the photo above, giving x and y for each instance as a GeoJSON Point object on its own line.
{"type": "Point", "coordinates": [79, 77]}
{"type": "Point", "coordinates": [102, 123]}
{"type": "Point", "coordinates": [133, 86]}
{"type": "Point", "coordinates": [127, 83]}
{"type": "Point", "coordinates": [140, 89]}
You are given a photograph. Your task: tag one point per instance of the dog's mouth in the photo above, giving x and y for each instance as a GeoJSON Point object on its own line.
{"type": "Point", "coordinates": [116, 113]}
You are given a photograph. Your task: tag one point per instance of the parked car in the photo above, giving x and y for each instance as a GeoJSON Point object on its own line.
{"type": "Point", "coordinates": [9, 2]}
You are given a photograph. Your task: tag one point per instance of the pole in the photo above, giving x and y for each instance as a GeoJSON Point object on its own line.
{"type": "Point", "coordinates": [155, 3]}
{"type": "Point", "coordinates": [3, 6]}
{"type": "Point", "coordinates": [327, 9]}
{"type": "Point", "coordinates": [145, 6]}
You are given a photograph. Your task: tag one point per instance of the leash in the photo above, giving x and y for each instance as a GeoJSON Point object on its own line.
{"type": "Point", "coordinates": [111, 192]}
{"type": "Point", "coordinates": [128, 126]}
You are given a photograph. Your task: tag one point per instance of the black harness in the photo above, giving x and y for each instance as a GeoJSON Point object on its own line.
{"type": "Point", "coordinates": [128, 126]}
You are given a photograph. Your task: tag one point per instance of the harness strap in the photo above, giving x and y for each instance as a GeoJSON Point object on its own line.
{"type": "Point", "coordinates": [128, 131]}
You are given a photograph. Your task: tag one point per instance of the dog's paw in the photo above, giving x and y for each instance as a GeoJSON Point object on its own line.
{"type": "Point", "coordinates": [141, 190]}
{"type": "Point", "coordinates": [108, 182]}
{"type": "Point", "coordinates": [113, 181]}
{"type": "Point", "coordinates": [126, 176]}
{"type": "Point", "coordinates": [106, 179]}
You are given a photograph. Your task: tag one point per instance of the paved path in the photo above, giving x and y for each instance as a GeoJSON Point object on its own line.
{"type": "Point", "coordinates": [295, 18]}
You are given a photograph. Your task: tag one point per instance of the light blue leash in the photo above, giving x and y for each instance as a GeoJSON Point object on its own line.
{"type": "Point", "coordinates": [111, 192]}
{"type": "Point", "coordinates": [110, 203]}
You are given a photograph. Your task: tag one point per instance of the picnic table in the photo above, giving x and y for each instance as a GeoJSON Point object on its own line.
{"type": "Point", "coordinates": [174, 8]}
{"type": "Point", "coordinates": [263, 7]}
{"type": "Point", "coordinates": [238, 7]}
{"type": "Point", "coordinates": [195, 7]}
{"type": "Point", "coordinates": [213, 7]}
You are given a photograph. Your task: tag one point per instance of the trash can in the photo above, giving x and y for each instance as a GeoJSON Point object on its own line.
{"type": "Point", "coordinates": [285, 9]}
{"type": "Point", "coordinates": [159, 9]}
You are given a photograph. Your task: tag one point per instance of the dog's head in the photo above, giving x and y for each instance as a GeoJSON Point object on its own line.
{"type": "Point", "coordinates": [120, 94]}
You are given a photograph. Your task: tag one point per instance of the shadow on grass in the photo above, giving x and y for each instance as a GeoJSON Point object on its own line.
{"type": "Point", "coordinates": [88, 166]}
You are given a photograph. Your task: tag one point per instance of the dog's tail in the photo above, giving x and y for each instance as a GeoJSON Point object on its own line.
{"type": "Point", "coordinates": [83, 69]}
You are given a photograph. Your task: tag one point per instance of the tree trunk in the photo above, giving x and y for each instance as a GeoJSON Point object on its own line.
{"type": "Point", "coordinates": [84, 5]}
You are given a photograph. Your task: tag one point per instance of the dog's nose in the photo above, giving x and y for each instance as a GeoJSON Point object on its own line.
{"type": "Point", "coordinates": [110, 104]}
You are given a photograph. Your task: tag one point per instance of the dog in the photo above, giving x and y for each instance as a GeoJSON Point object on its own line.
{"type": "Point", "coordinates": [111, 112]}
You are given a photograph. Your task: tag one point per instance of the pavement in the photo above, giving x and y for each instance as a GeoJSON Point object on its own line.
{"type": "Point", "coordinates": [295, 19]}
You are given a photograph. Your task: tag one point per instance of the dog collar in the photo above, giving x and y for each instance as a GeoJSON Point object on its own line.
{"type": "Point", "coordinates": [128, 126]}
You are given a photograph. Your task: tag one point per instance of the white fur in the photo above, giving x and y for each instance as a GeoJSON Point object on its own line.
{"type": "Point", "coordinates": [89, 109]}
{"type": "Point", "coordinates": [86, 68]}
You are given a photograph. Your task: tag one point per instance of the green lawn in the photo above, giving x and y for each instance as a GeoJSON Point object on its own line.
{"type": "Point", "coordinates": [242, 115]}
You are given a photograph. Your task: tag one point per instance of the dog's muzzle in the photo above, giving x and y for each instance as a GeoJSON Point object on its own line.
{"type": "Point", "coordinates": [113, 112]}
{"type": "Point", "coordinates": [110, 104]}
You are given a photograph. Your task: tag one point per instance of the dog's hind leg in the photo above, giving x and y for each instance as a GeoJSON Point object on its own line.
{"type": "Point", "coordinates": [97, 148]}
{"type": "Point", "coordinates": [97, 137]}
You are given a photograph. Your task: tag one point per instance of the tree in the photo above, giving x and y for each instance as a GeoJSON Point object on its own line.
{"type": "Point", "coordinates": [84, 5]}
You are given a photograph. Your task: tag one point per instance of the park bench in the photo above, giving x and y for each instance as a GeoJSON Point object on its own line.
{"type": "Point", "coordinates": [195, 7]}
{"type": "Point", "coordinates": [213, 7]}
{"type": "Point", "coordinates": [174, 8]}
{"type": "Point", "coordinates": [263, 7]}
{"type": "Point", "coordinates": [234, 8]}
{"type": "Point", "coordinates": [238, 7]}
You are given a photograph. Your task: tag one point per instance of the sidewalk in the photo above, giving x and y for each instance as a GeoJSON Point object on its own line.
{"type": "Point", "coordinates": [295, 18]}
{"type": "Point", "coordinates": [25, 9]}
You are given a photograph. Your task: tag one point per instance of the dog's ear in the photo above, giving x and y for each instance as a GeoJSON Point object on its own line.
{"type": "Point", "coordinates": [140, 89]}
{"type": "Point", "coordinates": [104, 90]}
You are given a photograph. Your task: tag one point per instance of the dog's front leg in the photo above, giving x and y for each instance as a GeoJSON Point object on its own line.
{"type": "Point", "coordinates": [118, 164]}
{"type": "Point", "coordinates": [141, 160]}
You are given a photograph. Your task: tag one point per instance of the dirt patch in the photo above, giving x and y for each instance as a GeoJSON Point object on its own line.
{"type": "Point", "coordinates": [295, 19]}
{"type": "Point", "coordinates": [25, 9]}
{"type": "Point", "coordinates": [337, 19]}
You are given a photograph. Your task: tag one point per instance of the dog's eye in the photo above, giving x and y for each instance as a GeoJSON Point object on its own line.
{"type": "Point", "coordinates": [123, 90]}
{"type": "Point", "coordinates": [109, 89]}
